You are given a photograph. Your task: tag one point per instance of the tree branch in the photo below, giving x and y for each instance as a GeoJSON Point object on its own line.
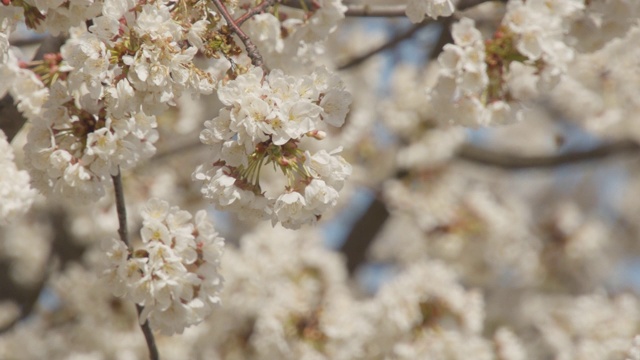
{"type": "Point", "coordinates": [258, 9]}
{"type": "Point", "coordinates": [482, 156]}
{"type": "Point", "coordinates": [121, 208]}
{"type": "Point", "coordinates": [252, 49]}
{"type": "Point", "coordinates": [398, 10]}
{"type": "Point", "coordinates": [396, 40]}
{"type": "Point", "coordinates": [124, 236]}
{"type": "Point", "coordinates": [363, 233]}
{"type": "Point", "coordinates": [366, 10]}
{"type": "Point", "coordinates": [366, 228]}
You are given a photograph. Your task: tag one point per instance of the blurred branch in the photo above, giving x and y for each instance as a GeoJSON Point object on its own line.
{"type": "Point", "coordinates": [362, 234]}
{"type": "Point", "coordinates": [445, 36]}
{"type": "Point", "coordinates": [63, 249]}
{"type": "Point", "coordinates": [482, 156]}
{"type": "Point", "coordinates": [26, 41]}
{"type": "Point", "coordinates": [184, 146]}
{"type": "Point", "coordinates": [353, 9]}
{"type": "Point", "coordinates": [393, 42]}
{"type": "Point", "coordinates": [25, 297]}
{"type": "Point", "coordinates": [375, 10]}
{"type": "Point", "coordinates": [444, 39]}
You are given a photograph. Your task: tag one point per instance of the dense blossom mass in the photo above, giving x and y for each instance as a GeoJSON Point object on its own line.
{"type": "Point", "coordinates": [413, 139]}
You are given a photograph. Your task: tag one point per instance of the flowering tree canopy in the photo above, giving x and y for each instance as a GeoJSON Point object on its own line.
{"type": "Point", "coordinates": [319, 179]}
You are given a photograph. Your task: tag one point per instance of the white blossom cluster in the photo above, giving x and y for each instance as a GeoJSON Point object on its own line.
{"type": "Point", "coordinates": [55, 16]}
{"type": "Point", "coordinates": [461, 90]}
{"type": "Point", "coordinates": [73, 152]}
{"type": "Point", "coordinates": [600, 91]}
{"type": "Point", "coordinates": [22, 84]}
{"type": "Point", "coordinates": [601, 22]}
{"type": "Point", "coordinates": [174, 274]}
{"type": "Point", "coordinates": [427, 142]}
{"type": "Point", "coordinates": [539, 27]}
{"type": "Point", "coordinates": [478, 233]}
{"type": "Point", "coordinates": [324, 21]}
{"type": "Point", "coordinates": [15, 191]}
{"type": "Point", "coordinates": [416, 9]}
{"type": "Point", "coordinates": [288, 292]}
{"type": "Point", "coordinates": [145, 60]}
{"type": "Point", "coordinates": [583, 326]}
{"type": "Point", "coordinates": [295, 40]}
{"type": "Point", "coordinates": [9, 17]}
{"type": "Point", "coordinates": [484, 82]}
{"type": "Point", "coordinates": [265, 122]}
{"type": "Point", "coordinates": [160, 68]}
{"type": "Point", "coordinates": [634, 352]}
{"type": "Point", "coordinates": [423, 313]}
{"type": "Point", "coordinates": [106, 88]}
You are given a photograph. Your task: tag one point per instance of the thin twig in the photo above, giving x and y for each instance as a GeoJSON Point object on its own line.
{"type": "Point", "coordinates": [258, 9]}
{"type": "Point", "coordinates": [148, 336]}
{"type": "Point", "coordinates": [252, 49]}
{"type": "Point", "coordinates": [121, 208]}
{"type": "Point", "coordinates": [298, 4]}
{"type": "Point", "coordinates": [122, 230]}
{"type": "Point", "coordinates": [367, 10]}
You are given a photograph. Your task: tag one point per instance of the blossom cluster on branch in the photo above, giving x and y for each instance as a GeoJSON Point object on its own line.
{"type": "Point", "coordinates": [174, 274]}
{"type": "Point", "coordinates": [266, 121]}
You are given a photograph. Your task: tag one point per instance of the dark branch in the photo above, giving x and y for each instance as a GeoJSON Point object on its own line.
{"type": "Point", "coordinates": [258, 9]}
{"type": "Point", "coordinates": [392, 43]}
{"type": "Point", "coordinates": [395, 41]}
{"type": "Point", "coordinates": [148, 336]}
{"type": "Point", "coordinates": [124, 236]}
{"type": "Point", "coordinates": [252, 49]}
{"type": "Point", "coordinates": [363, 233]}
{"type": "Point", "coordinates": [367, 10]}
{"type": "Point", "coordinates": [121, 208]}
{"type": "Point", "coordinates": [378, 10]}
{"type": "Point", "coordinates": [482, 156]}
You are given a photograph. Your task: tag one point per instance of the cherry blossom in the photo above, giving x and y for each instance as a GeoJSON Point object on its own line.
{"type": "Point", "coordinates": [174, 273]}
